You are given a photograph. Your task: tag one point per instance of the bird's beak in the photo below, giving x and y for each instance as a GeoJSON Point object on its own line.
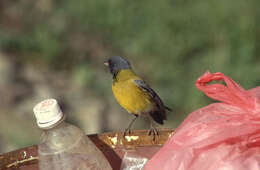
{"type": "Point", "coordinates": [106, 63]}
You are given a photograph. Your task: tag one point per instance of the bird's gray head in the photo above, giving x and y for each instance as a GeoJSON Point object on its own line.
{"type": "Point", "coordinates": [117, 63]}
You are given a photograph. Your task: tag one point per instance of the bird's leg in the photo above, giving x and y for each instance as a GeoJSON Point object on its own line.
{"type": "Point", "coordinates": [153, 131]}
{"type": "Point", "coordinates": [127, 130]}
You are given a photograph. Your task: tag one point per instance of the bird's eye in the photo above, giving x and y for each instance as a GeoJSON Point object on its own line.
{"type": "Point", "coordinates": [107, 63]}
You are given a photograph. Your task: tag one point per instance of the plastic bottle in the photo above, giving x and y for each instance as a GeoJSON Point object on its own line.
{"type": "Point", "coordinates": [64, 146]}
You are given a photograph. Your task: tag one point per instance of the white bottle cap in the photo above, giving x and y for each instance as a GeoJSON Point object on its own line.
{"type": "Point", "coordinates": [47, 113]}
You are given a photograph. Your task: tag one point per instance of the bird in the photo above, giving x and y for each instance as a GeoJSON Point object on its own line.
{"type": "Point", "coordinates": [135, 95]}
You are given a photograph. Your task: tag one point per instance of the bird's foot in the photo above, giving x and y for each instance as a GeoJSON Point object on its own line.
{"type": "Point", "coordinates": [127, 131]}
{"type": "Point", "coordinates": [154, 132]}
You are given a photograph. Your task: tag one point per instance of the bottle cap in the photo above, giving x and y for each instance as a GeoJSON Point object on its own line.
{"type": "Point", "coordinates": [47, 113]}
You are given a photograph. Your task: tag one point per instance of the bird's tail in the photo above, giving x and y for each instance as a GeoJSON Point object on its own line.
{"type": "Point", "coordinates": [158, 116]}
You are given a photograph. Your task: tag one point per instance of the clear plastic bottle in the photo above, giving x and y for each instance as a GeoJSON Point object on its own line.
{"type": "Point", "coordinates": [64, 146]}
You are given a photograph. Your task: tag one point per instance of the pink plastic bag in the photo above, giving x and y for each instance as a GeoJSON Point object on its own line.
{"type": "Point", "coordinates": [220, 136]}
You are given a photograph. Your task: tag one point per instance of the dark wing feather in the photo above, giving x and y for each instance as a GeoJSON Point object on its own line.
{"type": "Point", "coordinates": [158, 114]}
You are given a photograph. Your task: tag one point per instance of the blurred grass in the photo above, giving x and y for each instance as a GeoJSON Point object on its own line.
{"type": "Point", "coordinates": [169, 43]}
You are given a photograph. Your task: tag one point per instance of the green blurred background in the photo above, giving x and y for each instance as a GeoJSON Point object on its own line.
{"type": "Point", "coordinates": [56, 48]}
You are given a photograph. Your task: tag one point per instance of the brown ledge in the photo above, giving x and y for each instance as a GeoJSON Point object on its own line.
{"type": "Point", "coordinates": [112, 144]}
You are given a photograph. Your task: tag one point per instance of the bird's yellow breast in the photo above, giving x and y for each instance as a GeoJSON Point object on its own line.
{"type": "Point", "coordinates": [129, 95]}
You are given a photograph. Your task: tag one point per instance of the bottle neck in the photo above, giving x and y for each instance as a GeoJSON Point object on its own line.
{"type": "Point", "coordinates": [58, 125]}
{"type": "Point", "coordinates": [61, 136]}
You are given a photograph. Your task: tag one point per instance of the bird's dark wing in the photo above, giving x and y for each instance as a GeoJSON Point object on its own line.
{"type": "Point", "coordinates": [159, 113]}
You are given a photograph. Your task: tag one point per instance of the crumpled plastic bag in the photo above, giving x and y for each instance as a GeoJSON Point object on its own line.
{"type": "Point", "coordinates": [220, 136]}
